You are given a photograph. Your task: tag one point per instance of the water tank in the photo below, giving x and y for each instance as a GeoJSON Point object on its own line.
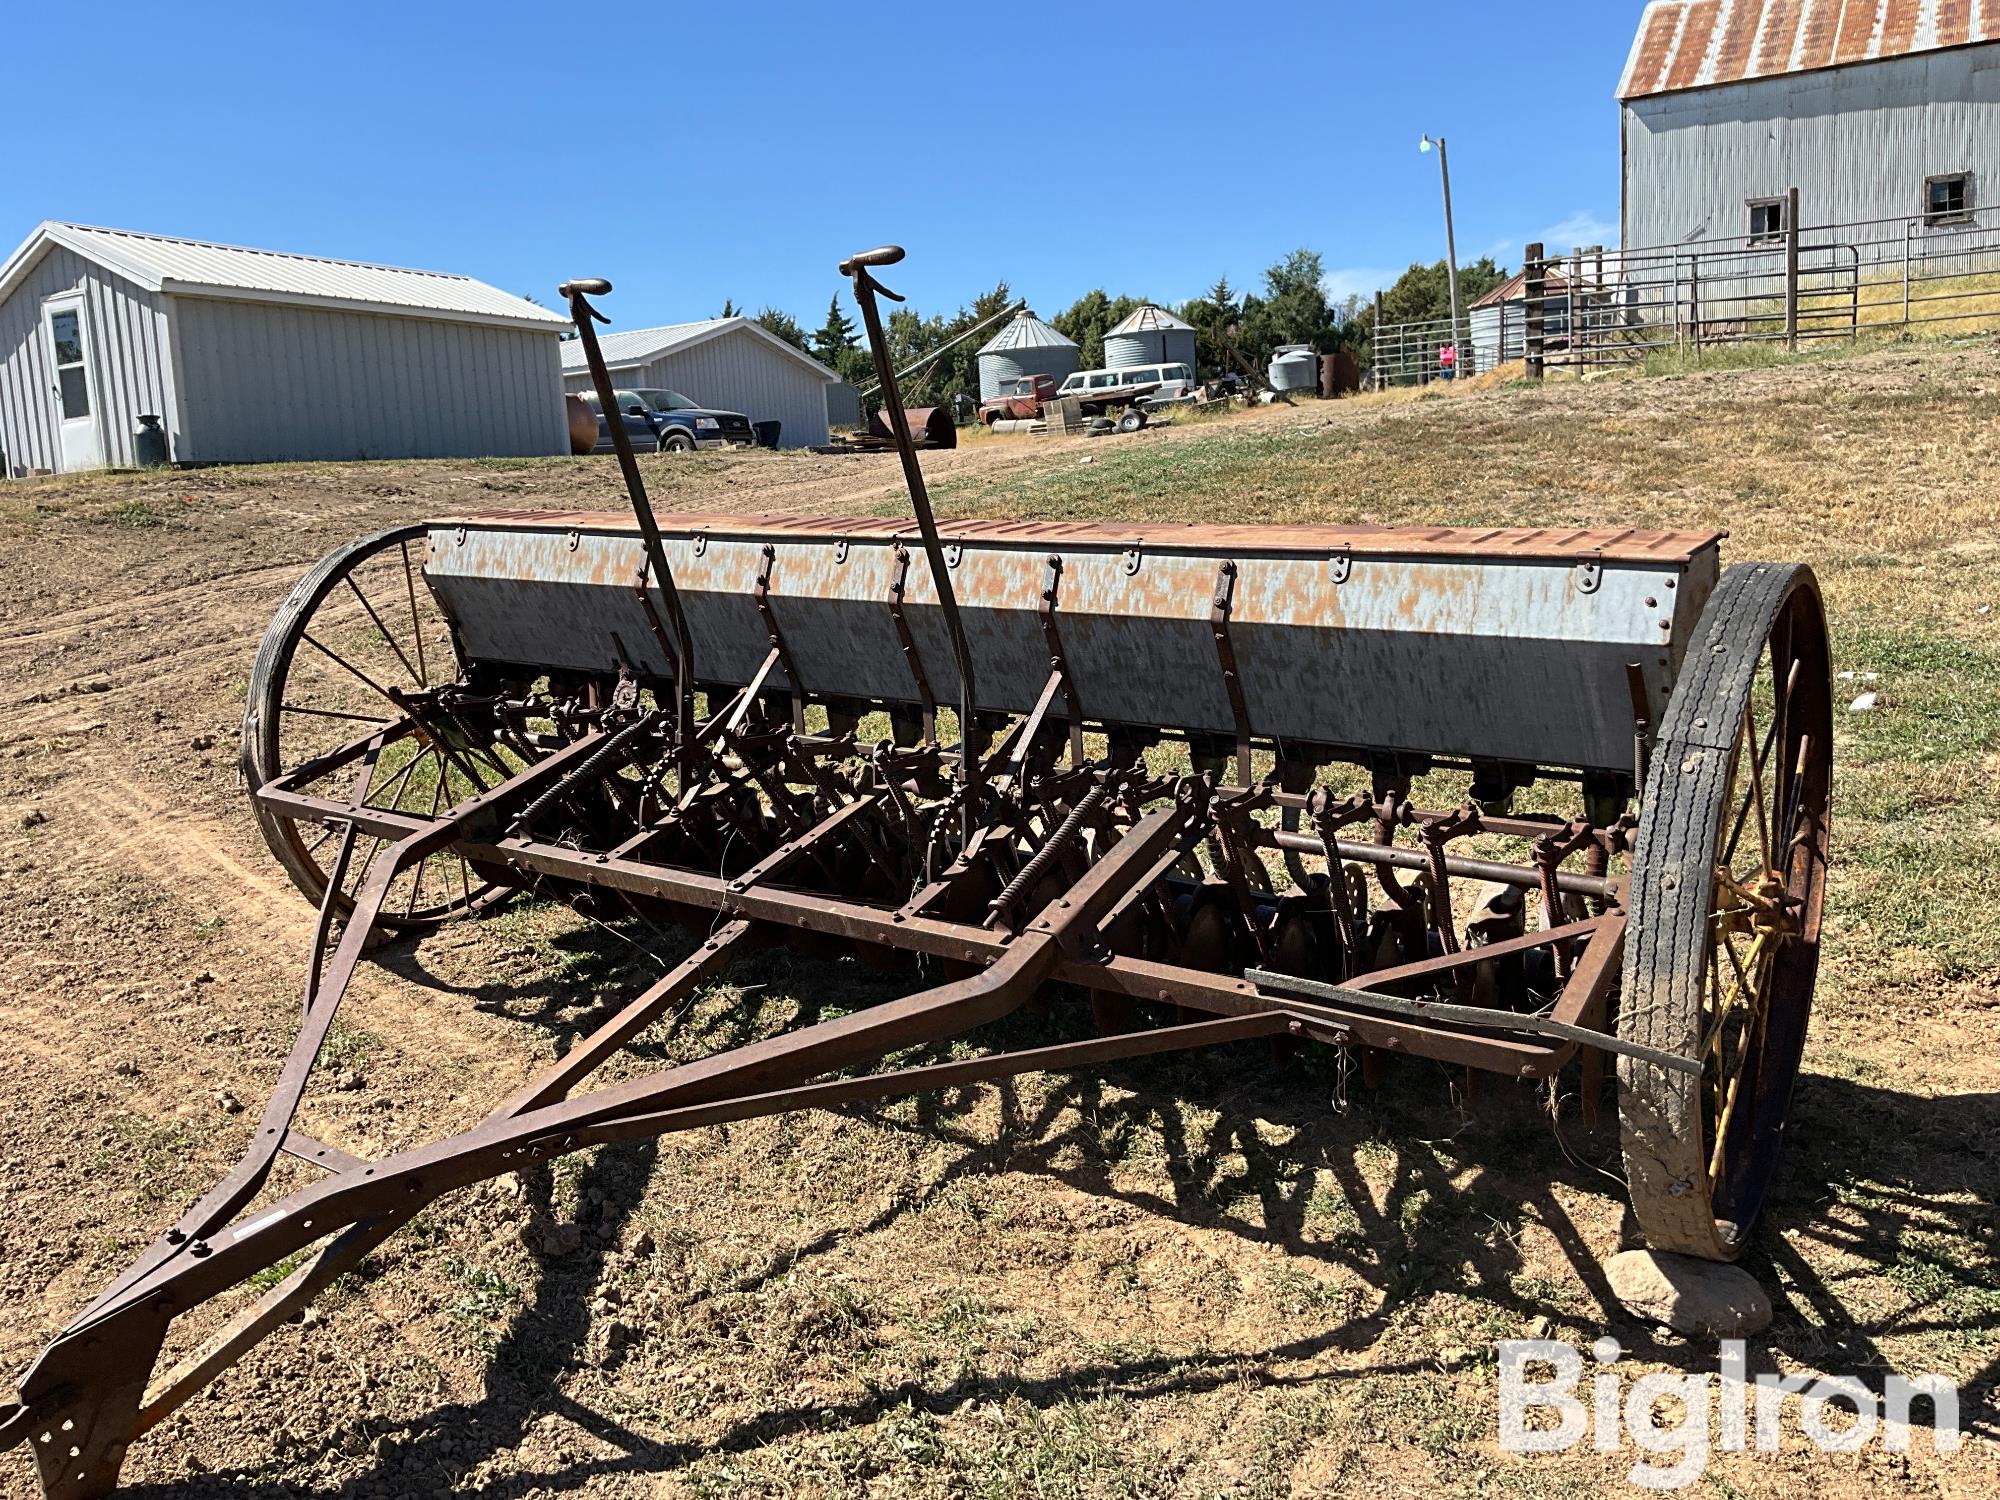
{"type": "Point", "coordinates": [1149, 336]}
{"type": "Point", "coordinates": [1294, 368]}
{"type": "Point", "coordinates": [1026, 346]}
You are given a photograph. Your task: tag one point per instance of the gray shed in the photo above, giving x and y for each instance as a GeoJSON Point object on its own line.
{"type": "Point", "coordinates": [1149, 336]}
{"type": "Point", "coordinates": [1026, 346]}
{"type": "Point", "coordinates": [725, 364]}
{"type": "Point", "coordinates": [1873, 109]}
{"type": "Point", "coordinates": [253, 356]}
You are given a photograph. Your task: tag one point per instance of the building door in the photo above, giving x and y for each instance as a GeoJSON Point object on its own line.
{"type": "Point", "coordinates": [81, 437]}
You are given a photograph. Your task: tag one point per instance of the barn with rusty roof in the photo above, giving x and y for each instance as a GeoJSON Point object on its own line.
{"type": "Point", "coordinates": [1876, 110]}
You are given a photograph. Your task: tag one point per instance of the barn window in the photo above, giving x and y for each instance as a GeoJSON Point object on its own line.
{"type": "Point", "coordinates": [1767, 220]}
{"type": "Point", "coordinates": [1948, 199]}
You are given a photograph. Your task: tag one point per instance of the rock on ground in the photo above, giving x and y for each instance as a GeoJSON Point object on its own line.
{"type": "Point", "coordinates": [1695, 1297]}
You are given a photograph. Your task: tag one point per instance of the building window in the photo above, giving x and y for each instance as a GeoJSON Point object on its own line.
{"type": "Point", "coordinates": [1948, 199]}
{"type": "Point", "coordinates": [1767, 221]}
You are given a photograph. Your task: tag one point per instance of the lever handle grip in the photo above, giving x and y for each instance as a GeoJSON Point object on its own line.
{"type": "Point", "coordinates": [882, 255]}
{"type": "Point", "coordinates": [590, 286]}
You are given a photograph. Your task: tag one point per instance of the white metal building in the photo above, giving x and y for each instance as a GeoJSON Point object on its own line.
{"type": "Point", "coordinates": [1873, 109]}
{"type": "Point", "coordinates": [251, 356]}
{"type": "Point", "coordinates": [726, 364]}
{"type": "Point", "coordinates": [1498, 321]}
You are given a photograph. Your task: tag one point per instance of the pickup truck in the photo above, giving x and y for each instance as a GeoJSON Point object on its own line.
{"type": "Point", "coordinates": [1020, 399]}
{"type": "Point", "coordinates": [667, 422]}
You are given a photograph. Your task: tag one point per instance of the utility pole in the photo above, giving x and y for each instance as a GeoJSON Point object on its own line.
{"type": "Point", "coordinates": [1450, 243]}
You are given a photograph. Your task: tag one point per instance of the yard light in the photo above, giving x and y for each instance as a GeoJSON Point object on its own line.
{"type": "Point", "coordinates": [1450, 244]}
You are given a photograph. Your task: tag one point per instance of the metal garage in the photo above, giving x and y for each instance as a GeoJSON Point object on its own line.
{"type": "Point", "coordinates": [253, 356]}
{"type": "Point", "coordinates": [726, 364]}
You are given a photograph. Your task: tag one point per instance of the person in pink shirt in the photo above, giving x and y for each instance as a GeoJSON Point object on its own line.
{"type": "Point", "coordinates": [1447, 361]}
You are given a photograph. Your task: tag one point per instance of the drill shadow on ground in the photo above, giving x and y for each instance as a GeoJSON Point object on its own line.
{"type": "Point", "coordinates": [1275, 1130]}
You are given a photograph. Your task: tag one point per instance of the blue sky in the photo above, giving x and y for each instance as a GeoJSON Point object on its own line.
{"type": "Point", "coordinates": [739, 150]}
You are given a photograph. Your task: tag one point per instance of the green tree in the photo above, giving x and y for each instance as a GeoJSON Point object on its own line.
{"type": "Point", "coordinates": [1210, 315]}
{"type": "Point", "coordinates": [1089, 318]}
{"type": "Point", "coordinates": [729, 310]}
{"type": "Point", "coordinates": [1423, 292]}
{"type": "Point", "coordinates": [835, 336]}
{"type": "Point", "coordinates": [1295, 306]}
{"type": "Point", "coordinates": [785, 326]}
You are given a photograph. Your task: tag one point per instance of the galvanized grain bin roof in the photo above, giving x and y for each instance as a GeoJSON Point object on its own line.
{"type": "Point", "coordinates": [1026, 331]}
{"type": "Point", "coordinates": [1150, 319]}
{"type": "Point", "coordinates": [1693, 44]}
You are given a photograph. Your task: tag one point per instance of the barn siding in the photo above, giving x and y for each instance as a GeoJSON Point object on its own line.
{"type": "Point", "coordinates": [736, 371]}
{"type": "Point", "coordinates": [264, 382]}
{"type": "Point", "coordinates": [126, 327]}
{"type": "Point", "coordinates": [1857, 142]}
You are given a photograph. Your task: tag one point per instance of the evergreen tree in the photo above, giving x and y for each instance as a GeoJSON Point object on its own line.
{"type": "Point", "coordinates": [1210, 316]}
{"type": "Point", "coordinates": [835, 337]}
{"type": "Point", "coordinates": [729, 310]}
{"type": "Point", "coordinates": [1089, 318]}
{"type": "Point", "coordinates": [785, 326]}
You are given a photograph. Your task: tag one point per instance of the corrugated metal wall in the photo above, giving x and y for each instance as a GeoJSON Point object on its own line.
{"type": "Point", "coordinates": [1149, 346]}
{"type": "Point", "coordinates": [264, 382]}
{"type": "Point", "coordinates": [126, 328]}
{"type": "Point", "coordinates": [736, 371]}
{"type": "Point", "coordinates": [1002, 365]}
{"type": "Point", "coordinates": [1857, 142]}
{"type": "Point", "coordinates": [843, 405]}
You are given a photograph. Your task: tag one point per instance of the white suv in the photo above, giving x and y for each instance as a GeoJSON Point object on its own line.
{"type": "Point", "coordinates": [1175, 382]}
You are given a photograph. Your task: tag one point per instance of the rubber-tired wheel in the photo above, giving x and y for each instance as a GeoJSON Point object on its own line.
{"type": "Point", "coordinates": [1133, 419]}
{"type": "Point", "coordinates": [1727, 882]}
{"type": "Point", "coordinates": [677, 441]}
{"type": "Point", "coordinates": [360, 626]}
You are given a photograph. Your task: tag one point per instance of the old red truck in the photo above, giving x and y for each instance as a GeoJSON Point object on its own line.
{"type": "Point", "coordinates": [1021, 398]}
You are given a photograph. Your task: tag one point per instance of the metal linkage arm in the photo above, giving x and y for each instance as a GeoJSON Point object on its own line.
{"type": "Point", "coordinates": [866, 287]}
{"type": "Point", "coordinates": [586, 317]}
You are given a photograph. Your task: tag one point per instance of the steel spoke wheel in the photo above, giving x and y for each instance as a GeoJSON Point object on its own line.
{"type": "Point", "coordinates": [1728, 879]}
{"type": "Point", "coordinates": [354, 644]}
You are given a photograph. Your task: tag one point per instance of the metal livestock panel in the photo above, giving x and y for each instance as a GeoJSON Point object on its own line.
{"type": "Point", "coordinates": [735, 371]}
{"type": "Point", "coordinates": [263, 382]}
{"type": "Point", "coordinates": [1453, 643]}
{"type": "Point", "coordinates": [130, 364]}
{"type": "Point", "coordinates": [1857, 142]}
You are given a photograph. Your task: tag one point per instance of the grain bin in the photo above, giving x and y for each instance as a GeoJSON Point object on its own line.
{"type": "Point", "coordinates": [1294, 367]}
{"type": "Point", "coordinates": [1150, 336]}
{"type": "Point", "coordinates": [1026, 346]}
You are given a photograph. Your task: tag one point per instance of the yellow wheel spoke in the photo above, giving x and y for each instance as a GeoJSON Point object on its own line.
{"type": "Point", "coordinates": [1756, 783]}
